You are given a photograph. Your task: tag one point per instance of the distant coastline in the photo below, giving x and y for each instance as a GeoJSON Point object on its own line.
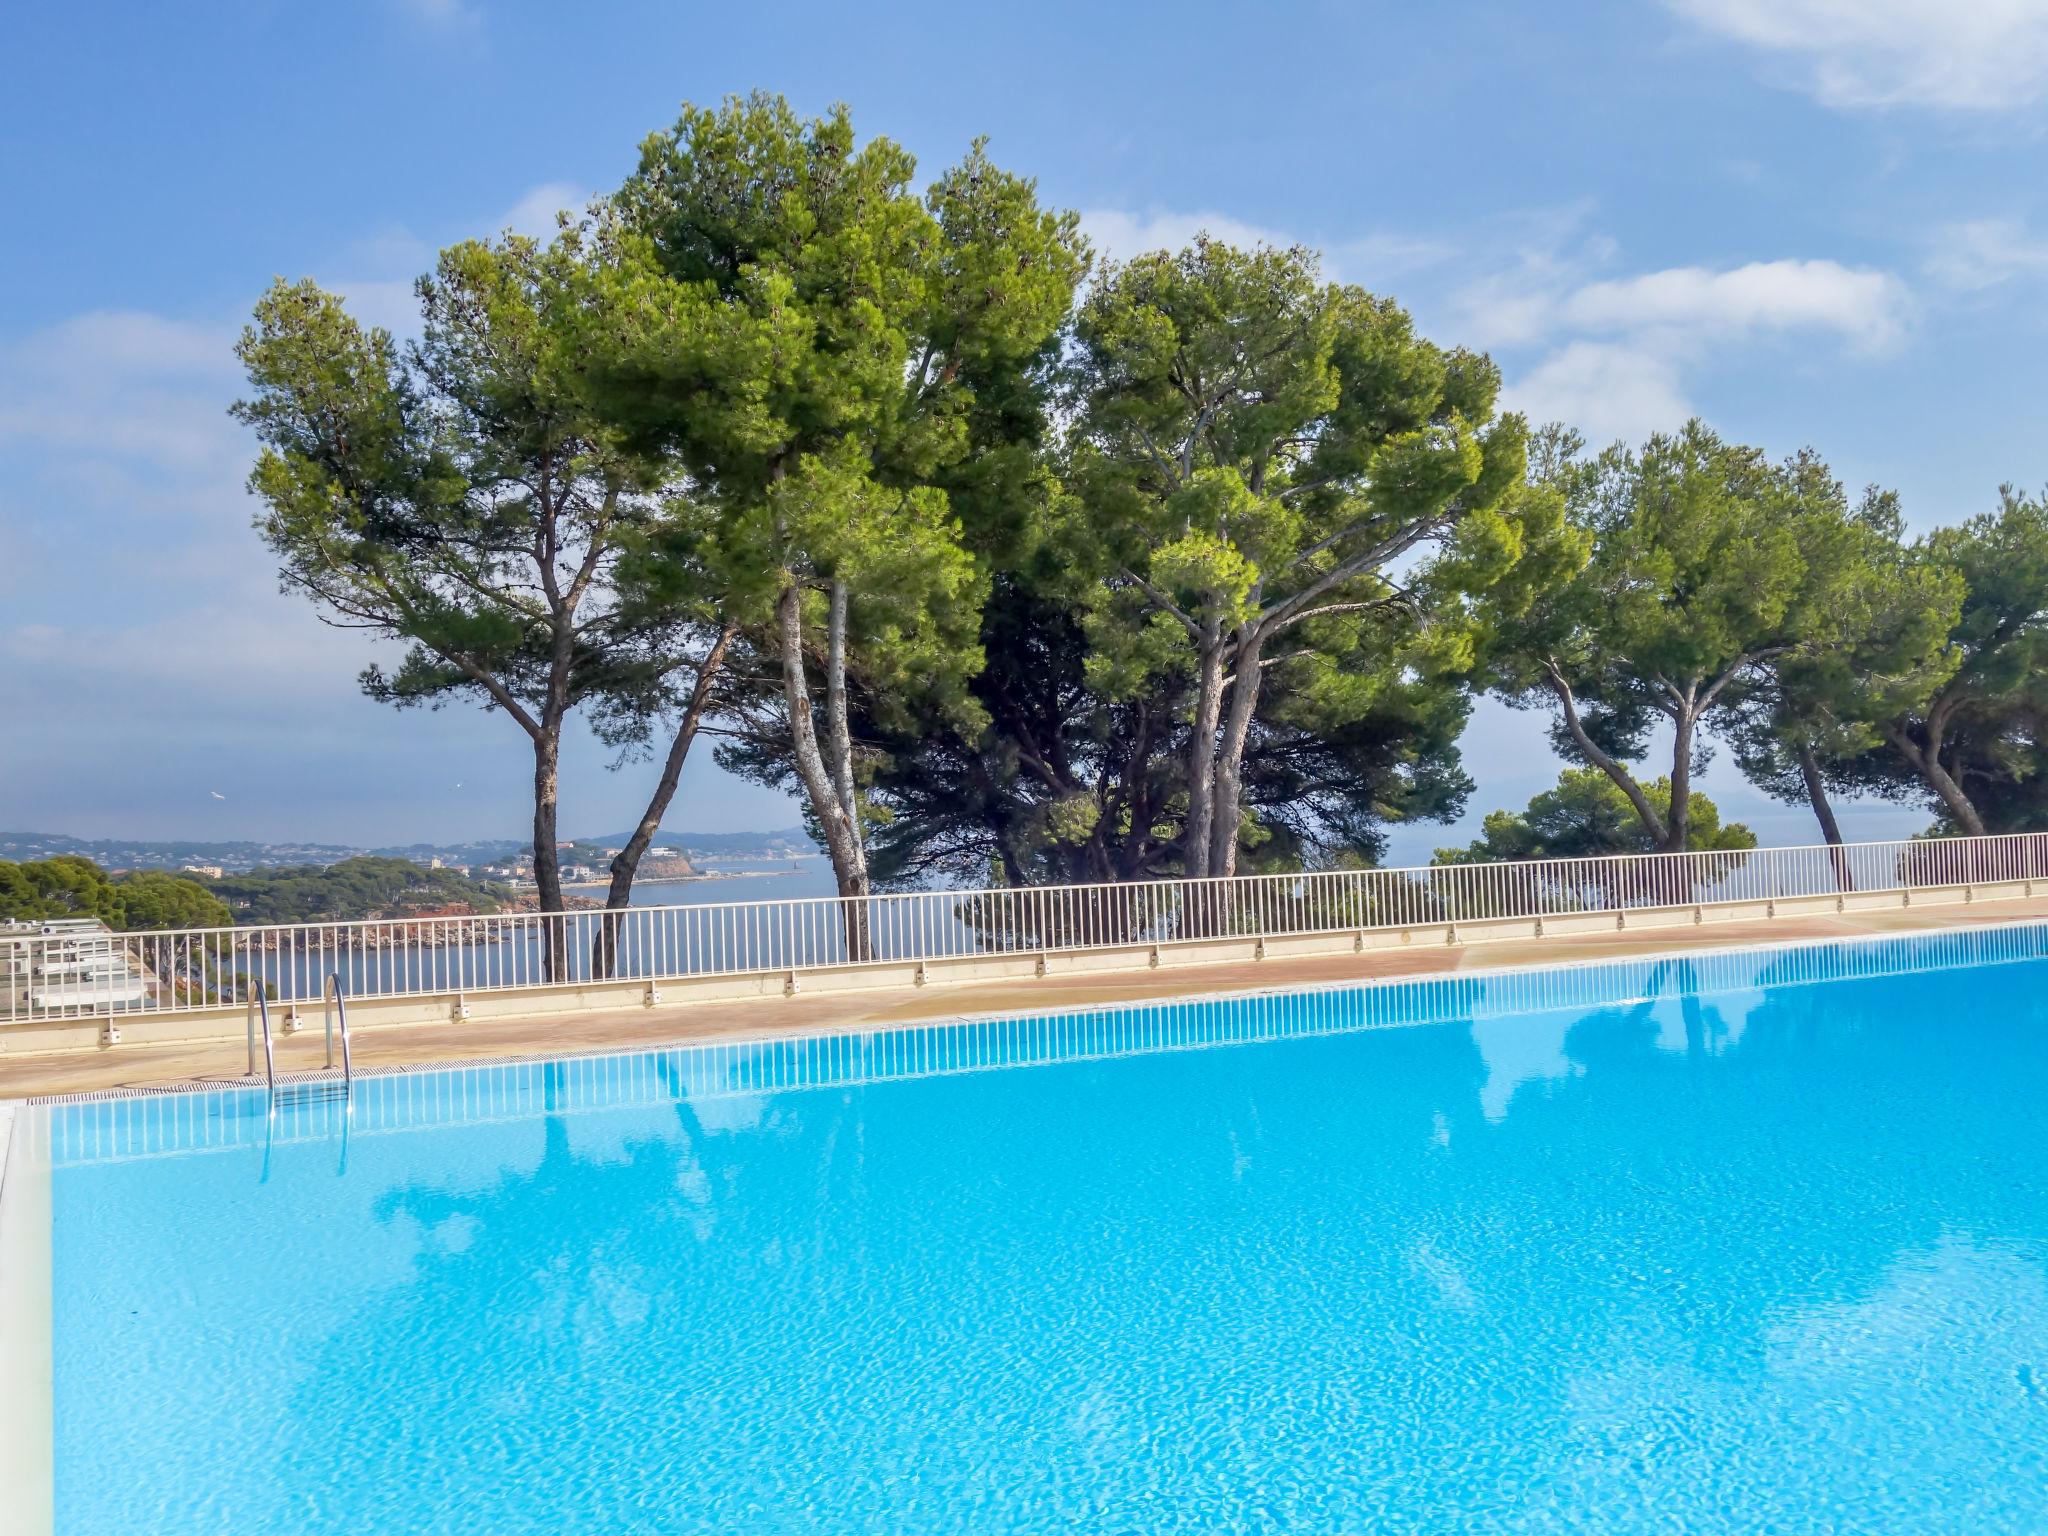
{"type": "Point", "coordinates": [787, 865]}
{"type": "Point", "coordinates": [238, 857]}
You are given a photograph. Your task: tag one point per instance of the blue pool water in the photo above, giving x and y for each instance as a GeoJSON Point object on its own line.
{"type": "Point", "coordinates": [1751, 1242]}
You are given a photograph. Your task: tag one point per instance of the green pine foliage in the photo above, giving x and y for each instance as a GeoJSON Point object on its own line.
{"type": "Point", "coordinates": [1585, 815]}
{"type": "Point", "coordinates": [354, 888]}
{"type": "Point", "coordinates": [71, 887]}
{"type": "Point", "coordinates": [1018, 566]}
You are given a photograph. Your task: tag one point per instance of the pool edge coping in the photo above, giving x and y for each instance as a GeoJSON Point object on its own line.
{"type": "Point", "coordinates": [27, 1415]}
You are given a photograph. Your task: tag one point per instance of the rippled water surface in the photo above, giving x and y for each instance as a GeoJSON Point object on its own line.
{"type": "Point", "coordinates": [1752, 1243]}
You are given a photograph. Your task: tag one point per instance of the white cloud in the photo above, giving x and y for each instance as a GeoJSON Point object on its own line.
{"type": "Point", "coordinates": [1373, 260]}
{"type": "Point", "coordinates": [1613, 353]}
{"type": "Point", "coordinates": [1865, 308]}
{"type": "Point", "coordinates": [443, 13]}
{"type": "Point", "coordinates": [132, 342]}
{"type": "Point", "coordinates": [246, 628]}
{"type": "Point", "coordinates": [1610, 353]}
{"type": "Point", "coordinates": [123, 488]}
{"type": "Point", "coordinates": [535, 214]}
{"type": "Point", "coordinates": [1957, 55]}
{"type": "Point", "coordinates": [392, 303]}
{"type": "Point", "coordinates": [1380, 256]}
{"type": "Point", "coordinates": [1508, 309]}
{"type": "Point", "coordinates": [142, 631]}
{"type": "Point", "coordinates": [117, 385]}
{"type": "Point", "coordinates": [393, 248]}
{"type": "Point", "coordinates": [386, 264]}
{"type": "Point", "coordinates": [152, 391]}
{"type": "Point", "coordinates": [140, 621]}
{"type": "Point", "coordinates": [1515, 300]}
{"type": "Point", "coordinates": [1608, 391]}
{"type": "Point", "coordinates": [1984, 253]}
{"type": "Point", "coordinates": [1118, 235]}
{"type": "Point", "coordinates": [1545, 297]}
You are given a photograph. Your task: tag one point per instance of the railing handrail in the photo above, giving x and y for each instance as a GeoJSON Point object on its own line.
{"type": "Point", "coordinates": [451, 954]}
{"type": "Point", "coordinates": [965, 892]}
{"type": "Point", "coordinates": [962, 892]}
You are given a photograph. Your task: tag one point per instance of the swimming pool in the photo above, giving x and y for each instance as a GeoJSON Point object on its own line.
{"type": "Point", "coordinates": [1742, 1241]}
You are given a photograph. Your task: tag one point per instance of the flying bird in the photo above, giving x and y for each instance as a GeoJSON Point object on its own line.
{"type": "Point", "coordinates": [216, 794]}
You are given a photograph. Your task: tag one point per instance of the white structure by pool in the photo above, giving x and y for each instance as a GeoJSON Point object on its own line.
{"type": "Point", "coordinates": [66, 965]}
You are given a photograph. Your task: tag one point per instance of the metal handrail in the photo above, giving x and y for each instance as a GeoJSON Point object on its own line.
{"type": "Point", "coordinates": [336, 994]}
{"type": "Point", "coordinates": [259, 1005]}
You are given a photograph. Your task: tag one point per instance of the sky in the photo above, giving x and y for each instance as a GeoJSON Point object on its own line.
{"type": "Point", "coordinates": [1811, 222]}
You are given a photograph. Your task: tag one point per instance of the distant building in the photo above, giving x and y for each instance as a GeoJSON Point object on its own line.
{"type": "Point", "coordinates": [210, 871]}
{"type": "Point", "coordinates": [65, 966]}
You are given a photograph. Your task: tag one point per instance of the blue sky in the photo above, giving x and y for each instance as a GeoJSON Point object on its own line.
{"type": "Point", "coordinates": [1809, 221]}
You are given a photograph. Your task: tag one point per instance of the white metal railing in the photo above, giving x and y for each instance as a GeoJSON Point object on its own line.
{"type": "Point", "coordinates": [73, 973]}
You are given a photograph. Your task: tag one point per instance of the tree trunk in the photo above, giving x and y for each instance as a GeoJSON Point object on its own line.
{"type": "Point", "coordinates": [604, 952]}
{"type": "Point", "coordinates": [1678, 818]}
{"type": "Point", "coordinates": [1824, 813]}
{"type": "Point", "coordinates": [1620, 776]}
{"type": "Point", "coordinates": [838, 731]}
{"type": "Point", "coordinates": [842, 835]}
{"type": "Point", "coordinates": [1196, 834]}
{"type": "Point", "coordinates": [1817, 797]}
{"type": "Point", "coordinates": [547, 863]}
{"type": "Point", "coordinates": [1952, 796]}
{"type": "Point", "coordinates": [839, 739]}
{"type": "Point", "coordinates": [1927, 762]}
{"type": "Point", "coordinates": [1226, 809]}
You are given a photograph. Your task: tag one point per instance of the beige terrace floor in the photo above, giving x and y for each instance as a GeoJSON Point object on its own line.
{"type": "Point", "coordinates": [136, 1066]}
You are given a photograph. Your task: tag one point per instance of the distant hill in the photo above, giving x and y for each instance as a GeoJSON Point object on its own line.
{"type": "Point", "coordinates": [238, 857]}
{"type": "Point", "coordinates": [350, 889]}
{"type": "Point", "coordinates": [124, 853]}
{"type": "Point", "coordinates": [728, 844]}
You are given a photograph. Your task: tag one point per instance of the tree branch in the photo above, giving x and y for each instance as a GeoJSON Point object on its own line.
{"type": "Point", "coordinates": [1161, 600]}
{"type": "Point", "coordinates": [1621, 777]}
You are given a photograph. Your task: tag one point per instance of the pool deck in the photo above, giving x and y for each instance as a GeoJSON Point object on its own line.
{"type": "Point", "coordinates": [421, 1045]}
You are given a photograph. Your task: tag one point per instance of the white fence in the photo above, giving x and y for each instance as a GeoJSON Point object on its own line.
{"type": "Point", "coordinates": [76, 970]}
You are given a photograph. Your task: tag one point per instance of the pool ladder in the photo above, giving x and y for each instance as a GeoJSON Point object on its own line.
{"type": "Point", "coordinates": [333, 1006]}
